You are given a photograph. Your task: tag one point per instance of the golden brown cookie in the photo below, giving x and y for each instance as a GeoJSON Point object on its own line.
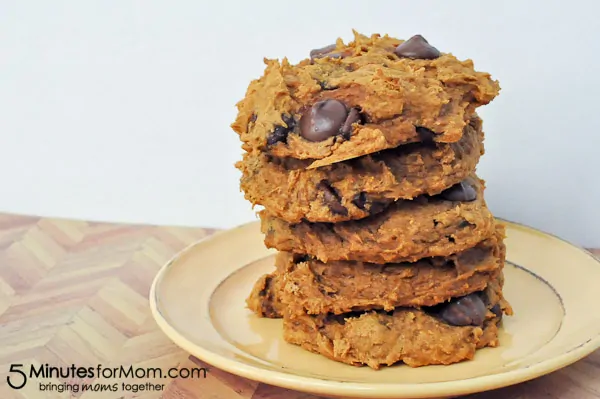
{"type": "Point", "coordinates": [265, 298]}
{"type": "Point", "coordinates": [405, 231]}
{"type": "Point", "coordinates": [359, 187]}
{"type": "Point", "coordinates": [359, 98]}
{"type": "Point", "coordinates": [313, 287]}
{"type": "Point", "coordinates": [417, 337]}
{"type": "Point", "coordinates": [380, 339]}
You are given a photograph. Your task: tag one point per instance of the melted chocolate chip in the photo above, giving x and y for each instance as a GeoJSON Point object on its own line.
{"type": "Point", "coordinates": [425, 135]}
{"type": "Point", "coordinates": [497, 310]}
{"type": "Point", "coordinates": [332, 199]}
{"type": "Point", "coordinates": [289, 121]}
{"type": "Point", "coordinates": [323, 120]}
{"type": "Point", "coordinates": [377, 207]}
{"type": "Point", "coordinates": [325, 52]}
{"type": "Point", "coordinates": [463, 191]}
{"type": "Point", "coordinates": [267, 309]}
{"type": "Point", "coordinates": [353, 117]}
{"type": "Point", "coordinates": [463, 224]}
{"type": "Point", "coordinates": [253, 118]}
{"type": "Point", "coordinates": [362, 202]}
{"type": "Point", "coordinates": [265, 290]}
{"type": "Point", "coordinates": [466, 311]}
{"type": "Point", "coordinates": [335, 55]}
{"type": "Point", "coordinates": [280, 133]}
{"type": "Point", "coordinates": [417, 48]}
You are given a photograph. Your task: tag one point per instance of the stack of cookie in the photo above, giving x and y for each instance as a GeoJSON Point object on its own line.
{"type": "Point", "coordinates": [363, 158]}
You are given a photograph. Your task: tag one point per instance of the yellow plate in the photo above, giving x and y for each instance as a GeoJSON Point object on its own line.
{"type": "Point", "coordinates": [198, 299]}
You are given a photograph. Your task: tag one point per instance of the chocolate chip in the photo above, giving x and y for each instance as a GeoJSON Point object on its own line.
{"type": "Point", "coordinates": [417, 47]}
{"type": "Point", "coordinates": [323, 120]}
{"type": "Point", "coordinates": [265, 290]}
{"type": "Point", "coordinates": [463, 191]}
{"type": "Point", "coordinates": [353, 117]}
{"type": "Point", "coordinates": [463, 224]}
{"type": "Point", "coordinates": [321, 52]}
{"type": "Point", "coordinates": [280, 133]}
{"type": "Point", "coordinates": [332, 199]}
{"type": "Point", "coordinates": [466, 311]}
{"type": "Point", "coordinates": [425, 135]}
{"type": "Point", "coordinates": [377, 207]}
{"type": "Point", "coordinates": [325, 52]}
{"type": "Point", "coordinates": [253, 118]}
{"type": "Point", "coordinates": [360, 200]}
{"type": "Point", "coordinates": [267, 310]}
{"type": "Point", "coordinates": [497, 310]}
{"type": "Point", "coordinates": [289, 121]}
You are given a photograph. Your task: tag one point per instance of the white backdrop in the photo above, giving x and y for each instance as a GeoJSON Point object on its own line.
{"type": "Point", "coordinates": [120, 110]}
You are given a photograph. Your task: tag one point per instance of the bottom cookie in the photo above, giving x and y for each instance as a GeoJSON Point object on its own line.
{"type": "Point", "coordinates": [376, 338]}
{"type": "Point", "coordinates": [440, 335]}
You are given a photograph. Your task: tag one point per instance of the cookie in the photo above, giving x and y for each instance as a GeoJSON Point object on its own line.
{"type": "Point", "coordinates": [265, 298]}
{"type": "Point", "coordinates": [359, 98]}
{"type": "Point", "coordinates": [359, 187]}
{"type": "Point", "coordinates": [313, 287]}
{"type": "Point", "coordinates": [441, 225]}
{"type": "Point", "coordinates": [380, 339]}
{"type": "Point", "coordinates": [417, 337]}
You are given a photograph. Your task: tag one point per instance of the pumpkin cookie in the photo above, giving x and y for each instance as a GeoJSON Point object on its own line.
{"type": "Point", "coordinates": [441, 225]}
{"type": "Point", "coordinates": [359, 187]}
{"type": "Point", "coordinates": [358, 98]}
{"type": "Point", "coordinates": [313, 287]}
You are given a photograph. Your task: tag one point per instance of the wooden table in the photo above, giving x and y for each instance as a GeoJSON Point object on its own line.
{"type": "Point", "coordinates": [75, 292]}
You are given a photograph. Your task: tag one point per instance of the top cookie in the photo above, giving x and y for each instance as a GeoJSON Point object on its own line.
{"type": "Point", "coordinates": [353, 99]}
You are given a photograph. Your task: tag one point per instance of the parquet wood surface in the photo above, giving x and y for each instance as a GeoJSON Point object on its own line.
{"type": "Point", "coordinates": [74, 292]}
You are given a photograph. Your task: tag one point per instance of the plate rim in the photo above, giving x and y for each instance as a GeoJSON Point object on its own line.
{"type": "Point", "coordinates": [319, 386]}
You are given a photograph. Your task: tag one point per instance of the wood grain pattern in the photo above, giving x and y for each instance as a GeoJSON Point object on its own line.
{"type": "Point", "coordinates": [75, 292]}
